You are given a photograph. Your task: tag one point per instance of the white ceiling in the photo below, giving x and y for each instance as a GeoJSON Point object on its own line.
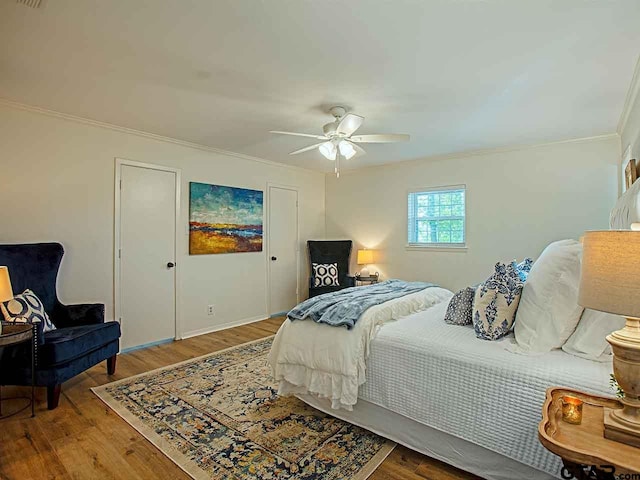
{"type": "Point", "coordinates": [456, 75]}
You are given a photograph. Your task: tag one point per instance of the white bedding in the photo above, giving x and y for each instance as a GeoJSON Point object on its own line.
{"type": "Point", "coordinates": [307, 357]}
{"type": "Point", "coordinates": [436, 374]}
{"type": "Point", "coordinates": [444, 377]}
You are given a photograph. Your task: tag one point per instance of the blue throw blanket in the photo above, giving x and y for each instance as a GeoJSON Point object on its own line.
{"type": "Point", "coordinates": [345, 307]}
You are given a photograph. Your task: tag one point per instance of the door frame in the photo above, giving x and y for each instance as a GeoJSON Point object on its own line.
{"type": "Point", "coordinates": [268, 240]}
{"type": "Point", "coordinates": [117, 297]}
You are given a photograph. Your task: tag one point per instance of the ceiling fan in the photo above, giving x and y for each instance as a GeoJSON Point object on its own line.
{"type": "Point", "coordinates": [339, 139]}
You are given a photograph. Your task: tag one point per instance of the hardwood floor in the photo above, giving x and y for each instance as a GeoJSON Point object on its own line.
{"type": "Point", "coordinates": [85, 439]}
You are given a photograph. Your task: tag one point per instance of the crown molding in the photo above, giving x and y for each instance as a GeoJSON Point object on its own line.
{"type": "Point", "coordinates": [463, 154]}
{"type": "Point", "coordinates": [152, 136]}
{"type": "Point", "coordinates": [630, 100]}
{"type": "Point", "coordinates": [479, 152]}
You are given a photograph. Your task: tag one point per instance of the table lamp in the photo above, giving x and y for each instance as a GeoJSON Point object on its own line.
{"type": "Point", "coordinates": [610, 282]}
{"type": "Point", "coordinates": [365, 257]}
{"type": "Point", "coordinates": [6, 293]}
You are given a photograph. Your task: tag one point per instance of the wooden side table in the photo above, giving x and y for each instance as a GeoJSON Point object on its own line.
{"type": "Point", "coordinates": [13, 334]}
{"type": "Point", "coordinates": [585, 453]}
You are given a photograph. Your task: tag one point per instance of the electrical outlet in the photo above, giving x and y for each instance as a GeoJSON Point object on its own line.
{"type": "Point", "coordinates": [210, 310]}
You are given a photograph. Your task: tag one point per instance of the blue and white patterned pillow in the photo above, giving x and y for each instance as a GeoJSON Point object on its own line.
{"type": "Point", "coordinates": [325, 275]}
{"type": "Point", "coordinates": [496, 302]}
{"type": "Point", "coordinates": [523, 268]}
{"type": "Point", "coordinates": [27, 308]}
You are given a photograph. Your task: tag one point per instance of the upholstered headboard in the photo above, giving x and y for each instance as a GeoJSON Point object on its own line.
{"type": "Point", "coordinates": [627, 209]}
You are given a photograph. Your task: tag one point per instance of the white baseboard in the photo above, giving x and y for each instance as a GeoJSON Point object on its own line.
{"type": "Point", "coordinates": [224, 326]}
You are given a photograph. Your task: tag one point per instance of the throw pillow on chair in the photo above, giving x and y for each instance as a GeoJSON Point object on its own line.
{"type": "Point", "coordinates": [27, 308]}
{"type": "Point", "coordinates": [325, 275]}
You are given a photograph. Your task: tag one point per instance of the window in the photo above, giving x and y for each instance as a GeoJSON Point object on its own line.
{"type": "Point", "coordinates": [436, 217]}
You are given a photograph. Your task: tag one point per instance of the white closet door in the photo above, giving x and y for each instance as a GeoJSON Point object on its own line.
{"type": "Point", "coordinates": [283, 249]}
{"type": "Point", "coordinates": [147, 255]}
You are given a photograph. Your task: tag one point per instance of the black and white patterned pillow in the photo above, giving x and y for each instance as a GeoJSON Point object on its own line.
{"type": "Point", "coordinates": [460, 309]}
{"type": "Point", "coordinates": [325, 275]}
{"type": "Point", "coordinates": [27, 308]}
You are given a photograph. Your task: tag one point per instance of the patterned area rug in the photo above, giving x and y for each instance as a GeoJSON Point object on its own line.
{"type": "Point", "coordinates": [219, 417]}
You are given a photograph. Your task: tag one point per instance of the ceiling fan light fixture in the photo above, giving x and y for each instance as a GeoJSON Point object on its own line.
{"type": "Point", "coordinates": [346, 149]}
{"type": "Point", "coordinates": [328, 150]}
{"type": "Point", "coordinates": [338, 141]}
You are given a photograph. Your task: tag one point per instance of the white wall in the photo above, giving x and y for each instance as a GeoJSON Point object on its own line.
{"type": "Point", "coordinates": [517, 202]}
{"type": "Point", "coordinates": [630, 134]}
{"type": "Point", "coordinates": [58, 185]}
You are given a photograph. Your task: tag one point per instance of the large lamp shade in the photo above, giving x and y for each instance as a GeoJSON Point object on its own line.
{"type": "Point", "coordinates": [610, 280]}
{"type": "Point", "coordinates": [6, 293]}
{"type": "Point", "coordinates": [365, 257]}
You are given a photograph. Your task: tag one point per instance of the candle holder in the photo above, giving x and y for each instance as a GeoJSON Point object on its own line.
{"type": "Point", "coordinates": [572, 410]}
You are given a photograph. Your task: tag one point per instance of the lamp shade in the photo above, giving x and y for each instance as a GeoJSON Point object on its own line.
{"type": "Point", "coordinates": [365, 257]}
{"type": "Point", "coordinates": [610, 278]}
{"type": "Point", "coordinates": [6, 293]}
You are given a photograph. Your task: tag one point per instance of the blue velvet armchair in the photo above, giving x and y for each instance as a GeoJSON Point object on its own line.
{"type": "Point", "coordinates": [82, 338]}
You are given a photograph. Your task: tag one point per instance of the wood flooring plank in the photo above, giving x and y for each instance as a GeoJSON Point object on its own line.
{"type": "Point", "coordinates": [436, 470]}
{"type": "Point", "coordinates": [405, 457]}
{"type": "Point", "coordinates": [25, 451]}
{"type": "Point", "coordinates": [94, 452]}
{"type": "Point", "coordinates": [391, 471]}
{"type": "Point", "coordinates": [83, 438]}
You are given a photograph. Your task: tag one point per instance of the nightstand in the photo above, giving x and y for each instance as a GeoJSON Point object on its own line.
{"type": "Point", "coordinates": [585, 453]}
{"type": "Point", "coordinates": [13, 334]}
{"type": "Point", "coordinates": [370, 280]}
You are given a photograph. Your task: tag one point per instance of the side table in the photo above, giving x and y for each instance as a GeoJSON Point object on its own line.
{"type": "Point", "coordinates": [14, 334]}
{"type": "Point", "coordinates": [585, 453]}
{"type": "Point", "coordinates": [370, 280]}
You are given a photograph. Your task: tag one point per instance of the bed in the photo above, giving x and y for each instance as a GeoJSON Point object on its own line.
{"type": "Point", "coordinates": [437, 389]}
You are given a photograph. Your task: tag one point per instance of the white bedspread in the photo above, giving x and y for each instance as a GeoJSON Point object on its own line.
{"type": "Point", "coordinates": [444, 377]}
{"type": "Point", "coordinates": [307, 357]}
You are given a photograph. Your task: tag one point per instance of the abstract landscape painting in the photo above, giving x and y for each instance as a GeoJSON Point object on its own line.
{"type": "Point", "coordinates": [224, 219]}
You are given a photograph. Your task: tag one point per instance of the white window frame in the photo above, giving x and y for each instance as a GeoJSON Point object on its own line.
{"type": "Point", "coordinates": [438, 246]}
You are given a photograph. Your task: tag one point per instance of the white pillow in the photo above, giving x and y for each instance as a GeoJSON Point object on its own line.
{"type": "Point", "coordinates": [589, 339]}
{"type": "Point", "coordinates": [549, 312]}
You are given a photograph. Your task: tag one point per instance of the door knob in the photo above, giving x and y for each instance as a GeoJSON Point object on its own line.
{"type": "Point", "coordinates": [273, 259]}
{"type": "Point", "coordinates": [171, 265]}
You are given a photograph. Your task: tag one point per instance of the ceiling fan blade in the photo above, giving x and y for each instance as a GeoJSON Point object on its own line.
{"type": "Point", "coordinates": [295, 134]}
{"type": "Point", "coordinates": [359, 150]}
{"type": "Point", "coordinates": [306, 149]}
{"type": "Point", "coordinates": [382, 138]}
{"type": "Point", "coordinates": [349, 124]}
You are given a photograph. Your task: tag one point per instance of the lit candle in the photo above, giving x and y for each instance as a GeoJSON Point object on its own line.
{"type": "Point", "coordinates": [572, 410]}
